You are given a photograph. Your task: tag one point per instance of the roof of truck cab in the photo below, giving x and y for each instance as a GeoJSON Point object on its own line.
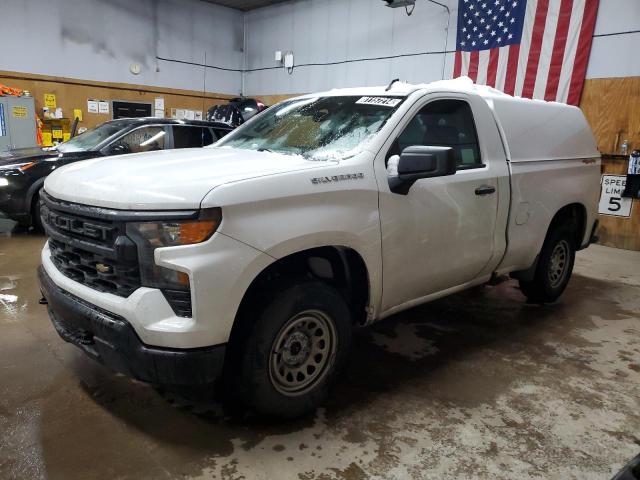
{"type": "Point", "coordinates": [533, 130]}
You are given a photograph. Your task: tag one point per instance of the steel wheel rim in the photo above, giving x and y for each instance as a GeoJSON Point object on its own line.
{"type": "Point", "coordinates": [302, 352]}
{"type": "Point", "coordinates": [559, 263]}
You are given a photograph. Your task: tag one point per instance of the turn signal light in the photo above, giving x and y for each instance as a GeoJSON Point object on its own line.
{"type": "Point", "coordinates": [27, 166]}
{"type": "Point", "coordinates": [196, 232]}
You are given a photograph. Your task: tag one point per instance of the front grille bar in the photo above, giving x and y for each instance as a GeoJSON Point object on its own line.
{"type": "Point", "coordinates": [111, 214]}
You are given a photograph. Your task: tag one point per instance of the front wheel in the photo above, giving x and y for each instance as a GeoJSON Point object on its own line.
{"type": "Point", "coordinates": [555, 264]}
{"type": "Point", "coordinates": [36, 220]}
{"type": "Point", "coordinates": [297, 345]}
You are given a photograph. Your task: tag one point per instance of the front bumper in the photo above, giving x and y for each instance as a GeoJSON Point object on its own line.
{"type": "Point", "coordinates": [111, 340]}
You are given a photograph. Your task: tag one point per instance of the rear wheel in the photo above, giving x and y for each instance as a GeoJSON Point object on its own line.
{"type": "Point", "coordinates": [555, 264]}
{"type": "Point", "coordinates": [295, 349]}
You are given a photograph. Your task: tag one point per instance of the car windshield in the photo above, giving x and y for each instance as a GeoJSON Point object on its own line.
{"type": "Point", "coordinates": [318, 128]}
{"type": "Point", "coordinates": [90, 139]}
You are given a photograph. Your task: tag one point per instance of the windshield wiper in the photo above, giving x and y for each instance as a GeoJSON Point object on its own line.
{"type": "Point", "coordinates": [264, 150]}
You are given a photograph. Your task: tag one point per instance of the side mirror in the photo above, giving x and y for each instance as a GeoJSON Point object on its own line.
{"type": "Point", "coordinates": [418, 162]}
{"type": "Point", "coordinates": [119, 149]}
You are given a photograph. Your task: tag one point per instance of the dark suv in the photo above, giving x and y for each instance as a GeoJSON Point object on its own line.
{"type": "Point", "coordinates": [23, 171]}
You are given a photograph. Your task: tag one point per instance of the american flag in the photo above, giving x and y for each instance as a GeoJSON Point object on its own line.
{"type": "Point", "coordinates": [528, 48]}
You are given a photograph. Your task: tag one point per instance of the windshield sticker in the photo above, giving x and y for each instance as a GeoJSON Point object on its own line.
{"type": "Point", "coordinates": [382, 101]}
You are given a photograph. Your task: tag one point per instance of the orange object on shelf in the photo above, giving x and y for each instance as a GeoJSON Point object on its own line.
{"type": "Point", "coordinates": [15, 92]}
{"type": "Point", "coordinates": [39, 131]}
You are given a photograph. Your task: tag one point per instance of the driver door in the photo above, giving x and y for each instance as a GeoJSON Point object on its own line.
{"type": "Point", "coordinates": [441, 233]}
{"type": "Point", "coordinates": [142, 139]}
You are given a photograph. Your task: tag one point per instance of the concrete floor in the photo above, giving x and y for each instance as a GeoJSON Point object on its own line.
{"type": "Point", "coordinates": [478, 385]}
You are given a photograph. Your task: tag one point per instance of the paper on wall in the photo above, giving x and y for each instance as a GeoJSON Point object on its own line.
{"type": "Point", "coordinates": [190, 115]}
{"type": "Point", "coordinates": [50, 100]}
{"type": "Point", "coordinates": [158, 104]}
{"type": "Point", "coordinates": [198, 115]}
{"type": "Point", "coordinates": [92, 106]}
{"type": "Point", "coordinates": [158, 113]}
{"type": "Point", "coordinates": [103, 106]}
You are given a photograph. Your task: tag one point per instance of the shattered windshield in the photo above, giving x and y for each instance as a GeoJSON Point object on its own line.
{"type": "Point", "coordinates": [318, 128]}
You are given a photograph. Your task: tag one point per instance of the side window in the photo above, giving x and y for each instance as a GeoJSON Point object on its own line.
{"type": "Point", "coordinates": [207, 137]}
{"type": "Point", "coordinates": [144, 139]}
{"type": "Point", "coordinates": [443, 123]}
{"type": "Point", "coordinates": [185, 136]}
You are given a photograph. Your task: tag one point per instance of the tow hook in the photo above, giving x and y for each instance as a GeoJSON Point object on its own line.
{"type": "Point", "coordinates": [43, 301]}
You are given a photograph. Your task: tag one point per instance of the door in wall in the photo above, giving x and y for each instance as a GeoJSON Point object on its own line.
{"type": "Point", "coordinates": [131, 109]}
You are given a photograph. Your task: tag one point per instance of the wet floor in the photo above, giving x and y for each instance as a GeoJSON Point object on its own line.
{"type": "Point", "coordinates": [477, 385]}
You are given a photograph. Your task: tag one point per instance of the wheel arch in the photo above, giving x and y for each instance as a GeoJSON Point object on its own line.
{"type": "Point", "coordinates": [33, 190]}
{"type": "Point", "coordinates": [340, 266]}
{"type": "Point", "coordinates": [573, 215]}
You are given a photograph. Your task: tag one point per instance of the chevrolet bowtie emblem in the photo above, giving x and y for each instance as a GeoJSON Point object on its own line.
{"type": "Point", "coordinates": [102, 268]}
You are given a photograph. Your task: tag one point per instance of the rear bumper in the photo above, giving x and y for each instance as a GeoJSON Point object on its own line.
{"type": "Point", "coordinates": [112, 341]}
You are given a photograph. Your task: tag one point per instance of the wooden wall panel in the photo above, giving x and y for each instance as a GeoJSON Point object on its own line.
{"type": "Point", "coordinates": [71, 93]}
{"type": "Point", "coordinates": [612, 107]}
{"type": "Point", "coordinates": [273, 99]}
{"type": "Point", "coordinates": [619, 232]}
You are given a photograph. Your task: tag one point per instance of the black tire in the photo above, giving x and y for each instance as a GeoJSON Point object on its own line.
{"type": "Point", "coordinates": [36, 220]}
{"type": "Point", "coordinates": [555, 264]}
{"type": "Point", "coordinates": [263, 380]}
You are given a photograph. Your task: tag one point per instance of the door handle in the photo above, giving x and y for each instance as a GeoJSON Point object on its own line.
{"type": "Point", "coordinates": [485, 190]}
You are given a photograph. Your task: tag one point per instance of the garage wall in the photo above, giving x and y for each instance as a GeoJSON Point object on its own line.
{"type": "Point", "coordinates": [73, 94]}
{"type": "Point", "coordinates": [616, 39]}
{"type": "Point", "coordinates": [98, 40]}
{"type": "Point", "coordinates": [325, 31]}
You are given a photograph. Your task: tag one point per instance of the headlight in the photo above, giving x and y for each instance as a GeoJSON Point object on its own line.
{"type": "Point", "coordinates": [4, 182]}
{"type": "Point", "coordinates": [19, 166]}
{"type": "Point", "coordinates": [151, 235]}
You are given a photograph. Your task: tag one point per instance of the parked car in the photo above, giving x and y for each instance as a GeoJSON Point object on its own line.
{"type": "Point", "coordinates": [236, 112]}
{"type": "Point", "coordinates": [252, 260]}
{"type": "Point", "coordinates": [23, 171]}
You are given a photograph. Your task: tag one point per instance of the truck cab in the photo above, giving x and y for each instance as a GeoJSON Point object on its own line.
{"type": "Point", "coordinates": [248, 263]}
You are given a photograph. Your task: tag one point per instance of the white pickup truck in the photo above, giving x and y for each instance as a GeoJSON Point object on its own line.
{"type": "Point", "coordinates": [250, 262]}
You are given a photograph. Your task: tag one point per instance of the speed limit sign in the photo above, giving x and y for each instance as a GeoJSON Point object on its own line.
{"type": "Point", "coordinates": [611, 200]}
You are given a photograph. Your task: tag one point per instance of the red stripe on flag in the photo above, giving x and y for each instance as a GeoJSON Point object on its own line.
{"type": "Point", "coordinates": [492, 69]}
{"type": "Point", "coordinates": [457, 66]}
{"type": "Point", "coordinates": [512, 70]}
{"type": "Point", "coordinates": [583, 51]}
{"type": "Point", "coordinates": [535, 48]}
{"type": "Point", "coordinates": [473, 65]}
{"type": "Point", "coordinates": [559, 45]}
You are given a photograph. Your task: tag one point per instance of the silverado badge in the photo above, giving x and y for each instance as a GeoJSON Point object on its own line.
{"type": "Point", "coordinates": [338, 178]}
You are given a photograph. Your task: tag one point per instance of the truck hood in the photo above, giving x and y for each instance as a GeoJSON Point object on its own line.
{"type": "Point", "coordinates": [165, 180]}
